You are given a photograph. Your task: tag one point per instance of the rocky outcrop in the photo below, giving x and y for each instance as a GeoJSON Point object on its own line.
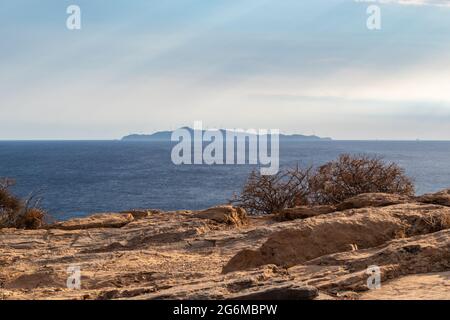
{"type": "Point", "coordinates": [303, 212]}
{"type": "Point", "coordinates": [266, 283]}
{"type": "Point", "coordinates": [289, 291]}
{"type": "Point", "coordinates": [106, 220]}
{"type": "Point", "coordinates": [148, 254]}
{"type": "Point", "coordinates": [224, 214]}
{"type": "Point", "coordinates": [305, 240]}
{"type": "Point", "coordinates": [141, 213]}
{"type": "Point", "coordinates": [366, 200]}
{"type": "Point", "coordinates": [426, 286]}
{"type": "Point", "coordinates": [441, 198]}
{"type": "Point", "coordinates": [342, 275]}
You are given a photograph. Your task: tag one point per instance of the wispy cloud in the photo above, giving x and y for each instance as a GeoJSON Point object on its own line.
{"type": "Point", "coordinates": [308, 66]}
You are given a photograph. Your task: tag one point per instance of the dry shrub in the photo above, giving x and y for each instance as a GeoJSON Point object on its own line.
{"type": "Point", "coordinates": [332, 183]}
{"type": "Point", "coordinates": [7, 201]}
{"type": "Point", "coordinates": [267, 194]}
{"type": "Point", "coordinates": [32, 218]}
{"type": "Point", "coordinates": [349, 176]}
{"type": "Point", "coordinates": [438, 223]}
{"type": "Point", "coordinates": [17, 213]}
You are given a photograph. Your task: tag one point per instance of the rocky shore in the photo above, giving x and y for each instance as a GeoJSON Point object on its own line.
{"type": "Point", "coordinates": [318, 252]}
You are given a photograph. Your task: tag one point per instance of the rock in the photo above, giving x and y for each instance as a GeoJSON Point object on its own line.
{"type": "Point", "coordinates": [106, 220]}
{"type": "Point", "coordinates": [342, 275]}
{"type": "Point", "coordinates": [308, 239]}
{"type": "Point", "coordinates": [181, 255]}
{"type": "Point", "coordinates": [252, 285]}
{"type": "Point", "coordinates": [303, 212]}
{"type": "Point", "coordinates": [279, 292]}
{"type": "Point", "coordinates": [431, 254]}
{"type": "Point", "coordinates": [245, 260]}
{"type": "Point", "coordinates": [428, 286]}
{"type": "Point", "coordinates": [441, 198]}
{"type": "Point", "coordinates": [348, 295]}
{"type": "Point", "coordinates": [35, 280]}
{"type": "Point", "coordinates": [366, 200]}
{"type": "Point", "coordinates": [224, 214]}
{"type": "Point", "coordinates": [141, 214]}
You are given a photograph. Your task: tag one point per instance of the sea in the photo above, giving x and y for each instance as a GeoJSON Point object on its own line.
{"type": "Point", "coordinates": [78, 178]}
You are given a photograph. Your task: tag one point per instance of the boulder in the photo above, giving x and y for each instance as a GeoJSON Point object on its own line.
{"type": "Point", "coordinates": [304, 240]}
{"type": "Point", "coordinates": [142, 213]}
{"type": "Point", "coordinates": [224, 214]}
{"type": "Point", "coordinates": [441, 198]}
{"type": "Point", "coordinates": [105, 220]}
{"type": "Point", "coordinates": [303, 212]}
{"type": "Point", "coordinates": [343, 275]}
{"type": "Point", "coordinates": [287, 291]}
{"type": "Point", "coordinates": [366, 200]}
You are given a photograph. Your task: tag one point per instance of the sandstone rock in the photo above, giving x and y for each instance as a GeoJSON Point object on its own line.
{"type": "Point", "coordinates": [372, 200]}
{"type": "Point", "coordinates": [308, 239]}
{"type": "Point", "coordinates": [440, 198]}
{"type": "Point", "coordinates": [106, 220]}
{"type": "Point", "coordinates": [224, 214]}
{"type": "Point", "coordinates": [303, 212]}
{"type": "Point", "coordinates": [415, 255]}
{"type": "Point", "coordinates": [428, 286]}
{"type": "Point", "coordinates": [31, 281]}
{"type": "Point", "coordinates": [341, 275]}
{"type": "Point", "coordinates": [179, 255]}
{"type": "Point", "coordinates": [279, 292]}
{"type": "Point", "coordinates": [141, 214]}
{"type": "Point", "coordinates": [409, 253]}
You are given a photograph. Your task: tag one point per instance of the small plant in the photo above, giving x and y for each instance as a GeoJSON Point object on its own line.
{"type": "Point", "coordinates": [349, 176]}
{"type": "Point", "coordinates": [264, 194]}
{"type": "Point", "coordinates": [17, 213]}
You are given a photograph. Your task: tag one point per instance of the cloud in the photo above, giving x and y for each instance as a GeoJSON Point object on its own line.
{"type": "Point", "coordinates": [437, 3]}
{"type": "Point", "coordinates": [316, 69]}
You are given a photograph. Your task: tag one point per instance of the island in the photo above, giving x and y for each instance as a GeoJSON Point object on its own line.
{"type": "Point", "coordinates": [166, 136]}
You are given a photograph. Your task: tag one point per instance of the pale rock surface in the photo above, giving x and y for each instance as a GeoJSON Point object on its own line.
{"type": "Point", "coordinates": [366, 200]}
{"type": "Point", "coordinates": [304, 240]}
{"type": "Point", "coordinates": [224, 214]}
{"type": "Point", "coordinates": [105, 220]}
{"type": "Point", "coordinates": [441, 198]}
{"type": "Point", "coordinates": [181, 255]}
{"type": "Point", "coordinates": [429, 286]}
{"type": "Point", "coordinates": [303, 212]}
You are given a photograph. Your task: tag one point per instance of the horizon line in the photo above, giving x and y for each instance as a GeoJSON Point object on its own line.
{"type": "Point", "coordinates": [120, 140]}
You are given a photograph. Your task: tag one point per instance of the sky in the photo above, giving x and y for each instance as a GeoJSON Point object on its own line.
{"type": "Point", "coordinates": [309, 67]}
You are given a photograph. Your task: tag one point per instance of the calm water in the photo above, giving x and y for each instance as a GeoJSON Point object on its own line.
{"type": "Point", "coordinates": [78, 178]}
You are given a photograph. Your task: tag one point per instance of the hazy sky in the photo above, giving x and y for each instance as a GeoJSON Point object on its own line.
{"type": "Point", "coordinates": [308, 66]}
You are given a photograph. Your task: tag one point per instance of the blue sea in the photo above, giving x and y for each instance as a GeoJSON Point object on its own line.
{"type": "Point", "coordinates": [76, 178]}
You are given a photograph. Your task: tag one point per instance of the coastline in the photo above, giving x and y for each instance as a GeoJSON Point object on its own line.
{"type": "Point", "coordinates": [222, 253]}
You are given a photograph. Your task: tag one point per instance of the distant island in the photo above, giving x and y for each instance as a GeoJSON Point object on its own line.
{"type": "Point", "coordinates": [166, 136]}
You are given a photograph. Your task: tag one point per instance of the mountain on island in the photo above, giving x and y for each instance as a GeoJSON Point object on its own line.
{"type": "Point", "coordinates": [166, 136]}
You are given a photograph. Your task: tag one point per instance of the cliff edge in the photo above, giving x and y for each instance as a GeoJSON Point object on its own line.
{"type": "Point", "coordinates": [221, 253]}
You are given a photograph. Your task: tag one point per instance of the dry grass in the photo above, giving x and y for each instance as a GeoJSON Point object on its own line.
{"type": "Point", "coordinates": [18, 213]}
{"type": "Point", "coordinates": [438, 223]}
